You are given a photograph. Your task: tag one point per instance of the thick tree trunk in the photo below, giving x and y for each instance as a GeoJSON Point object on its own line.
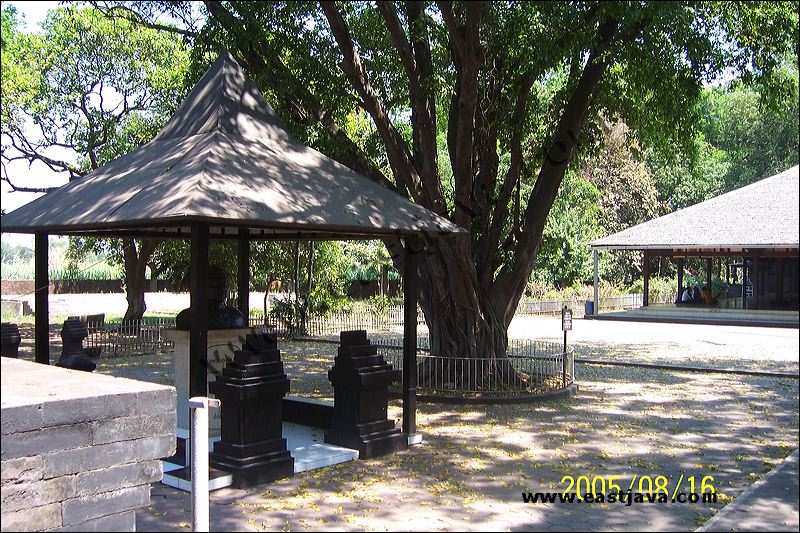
{"type": "Point", "coordinates": [462, 324]}
{"type": "Point", "coordinates": [135, 261]}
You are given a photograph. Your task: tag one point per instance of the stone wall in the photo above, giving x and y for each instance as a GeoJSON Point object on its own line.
{"type": "Point", "coordinates": [79, 450]}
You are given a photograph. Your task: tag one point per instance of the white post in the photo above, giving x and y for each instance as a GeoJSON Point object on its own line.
{"type": "Point", "coordinates": [596, 286]}
{"type": "Point", "coordinates": [199, 459]}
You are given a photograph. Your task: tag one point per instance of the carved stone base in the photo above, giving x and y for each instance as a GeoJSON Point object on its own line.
{"type": "Point", "coordinates": [251, 389]}
{"type": "Point", "coordinates": [360, 380]}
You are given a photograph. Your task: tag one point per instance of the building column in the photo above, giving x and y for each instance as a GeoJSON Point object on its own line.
{"type": "Point", "coordinates": [243, 275]}
{"type": "Point", "coordinates": [646, 287]}
{"type": "Point", "coordinates": [680, 280]}
{"type": "Point", "coordinates": [755, 282]}
{"type": "Point", "coordinates": [744, 282]}
{"type": "Point", "coordinates": [198, 303]}
{"type": "Point", "coordinates": [779, 280]}
{"type": "Point", "coordinates": [708, 278]}
{"type": "Point", "coordinates": [410, 275]}
{"type": "Point", "coordinates": [596, 285]}
{"type": "Point", "coordinates": [41, 285]}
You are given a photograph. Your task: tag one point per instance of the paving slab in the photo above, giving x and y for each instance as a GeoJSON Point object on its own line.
{"type": "Point", "coordinates": [770, 504]}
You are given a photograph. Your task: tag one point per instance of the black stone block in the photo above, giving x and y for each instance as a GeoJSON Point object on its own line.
{"type": "Point", "coordinates": [360, 380]}
{"type": "Point", "coordinates": [10, 340]}
{"type": "Point", "coordinates": [251, 391]}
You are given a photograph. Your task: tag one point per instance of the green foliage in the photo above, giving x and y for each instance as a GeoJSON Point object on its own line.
{"type": "Point", "coordinates": [757, 140]}
{"type": "Point", "coordinates": [564, 257]}
{"type": "Point", "coordinates": [366, 259]}
{"type": "Point", "coordinates": [742, 138]}
{"type": "Point", "coordinates": [661, 290]}
{"type": "Point", "coordinates": [18, 264]}
{"type": "Point", "coordinates": [93, 86]}
{"type": "Point", "coordinates": [11, 253]}
{"type": "Point", "coordinates": [628, 195]}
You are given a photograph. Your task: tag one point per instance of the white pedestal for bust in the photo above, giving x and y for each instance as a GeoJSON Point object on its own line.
{"type": "Point", "coordinates": [221, 345]}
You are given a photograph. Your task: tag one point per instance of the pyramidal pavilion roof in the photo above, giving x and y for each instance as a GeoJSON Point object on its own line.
{"type": "Point", "coordinates": [761, 215]}
{"type": "Point", "coordinates": [226, 158]}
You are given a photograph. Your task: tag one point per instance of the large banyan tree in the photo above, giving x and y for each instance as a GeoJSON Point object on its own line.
{"type": "Point", "coordinates": [476, 109]}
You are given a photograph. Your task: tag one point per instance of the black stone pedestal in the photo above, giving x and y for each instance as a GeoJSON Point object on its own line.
{"type": "Point", "coordinates": [10, 340]}
{"type": "Point", "coordinates": [360, 379]}
{"type": "Point", "coordinates": [251, 390]}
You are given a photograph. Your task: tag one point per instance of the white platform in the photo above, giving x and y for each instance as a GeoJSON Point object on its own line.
{"type": "Point", "coordinates": [306, 444]}
{"type": "Point", "coordinates": [309, 450]}
{"type": "Point", "coordinates": [181, 483]}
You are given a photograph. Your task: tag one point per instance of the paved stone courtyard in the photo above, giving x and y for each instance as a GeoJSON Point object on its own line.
{"type": "Point", "coordinates": [477, 460]}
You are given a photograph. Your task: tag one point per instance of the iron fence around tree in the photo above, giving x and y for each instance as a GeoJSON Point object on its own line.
{"type": "Point", "coordinates": [530, 367]}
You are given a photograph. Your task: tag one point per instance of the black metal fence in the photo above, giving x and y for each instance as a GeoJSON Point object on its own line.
{"type": "Point", "coordinates": [330, 324]}
{"type": "Point", "coordinates": [133, 337]}
{"type": "Point", "coordinates": [553, 307]}
{"type": "Point", "coordinates": [530, 367]}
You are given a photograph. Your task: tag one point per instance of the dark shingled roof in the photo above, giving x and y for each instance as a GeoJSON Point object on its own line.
{"type": "Point", "coordinates": [226, 158]}
{"type": "Point", "coordinates": [761, 215]}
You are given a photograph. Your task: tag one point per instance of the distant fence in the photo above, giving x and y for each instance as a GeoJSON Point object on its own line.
{"type": "Point", "coordinates": [530, 368]}
{"type": "Point", "coordinates": [553, 307]}
{"type": "Point", "coordinates": [146, 336]}
{"type": "Point", "coordinates": [330, 324]}
{"type": "Point", "coordinates": [132, 337]}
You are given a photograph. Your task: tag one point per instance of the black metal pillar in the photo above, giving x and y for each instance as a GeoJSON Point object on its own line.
{"type": "Point", "coordinates": [708, 280]}
{"type": "Point", "coordinates": [646, 288]}
{"type": "Point", "coordinates": [198, 302]}
{"type": "Point", "coordinates": [680, 280]}
{"type": "Point", "coordinates": [754, 276]}
{"type": "Point", "coordinates": [744, 283]}
{"type": "Point", "coordinates": [410, 275]}
{"type": "Point", "coordinates": [41, 285]}
{"type": "Point", "coordinates": [779, 280]}
{"type": "Point", "coordinates": [243, 277]}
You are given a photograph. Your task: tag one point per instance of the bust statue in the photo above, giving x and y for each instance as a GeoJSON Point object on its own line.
{"type": "Point", "coordinates": [72, 354]}
{"type": "Point", "coordinates": [220, 316]}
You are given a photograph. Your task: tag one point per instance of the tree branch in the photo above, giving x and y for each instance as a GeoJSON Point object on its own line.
{"type": "Point", "coordinates": [510, 281]}
{"type": "Point", "coordinates": [122, 12]}
{"type": "Point", "coordinates": [422, 106]}
{"type": "Point", "coordinates": [14, 188]}
{"type": "Point", "coordinates": [487, 247]}
{"type": "Point", "coordinates": [471, 57]}
{"type": "Point", "coordinates": [396, 148]}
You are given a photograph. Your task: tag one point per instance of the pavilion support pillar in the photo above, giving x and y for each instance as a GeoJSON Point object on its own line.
{"type": "Point", "coordinates": [243, 275]}
{"type": "Point", "coordinates": [596, 285]}
{"type": "Point", "coordinates": [410, 278]}
{"type": "Point", "coordinates": [646, 285]}
{"type": "Point", "coordinates": [680, 280]}
{"type": "Point", "coordinates": [41, 285]}
{"type": "Point", "coordinates": [779, 280]}
{"type": "Point", "coordinates": [198, 303]}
